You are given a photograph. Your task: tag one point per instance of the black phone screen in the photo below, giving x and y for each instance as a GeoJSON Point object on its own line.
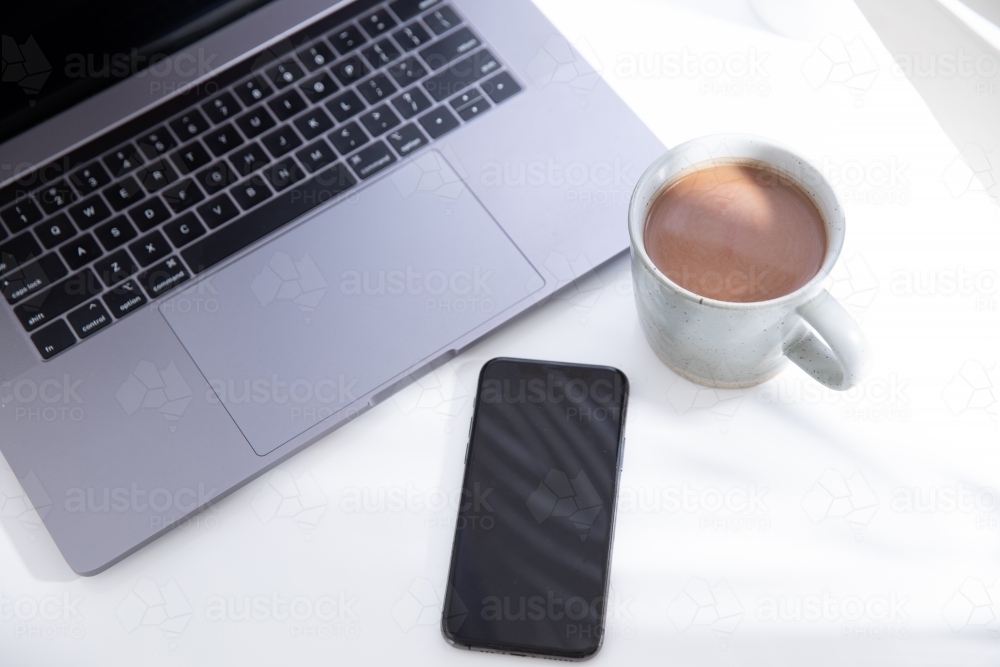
{"type": "Point", "coordinates": [532, 551]}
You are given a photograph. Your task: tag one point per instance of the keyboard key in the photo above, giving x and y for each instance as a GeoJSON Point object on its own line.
{"type": "Point", "coordinates": [114, 233]}
{"type": "Point", "coordinates": [407, 9]}
{"type": "Point", "coordinates": [192, 157]}
{"type": "Point", "coordinates": [183, 230]}
{"type": "Point", "coordinates": [248, 159]}
{"type": "Point", "coordinates": [284, 74]}
{"type": "Point", "coordinates": [407, 71]}
{"type": "Point", "coordinates": [319, 87]}
{"type": "Point", "coordinates": [55, 196]}
{"type": "Point", "coordinates": [442, 20]}
{"type": "Point", "coordinates": [316, 155]}
{"type": "Point", "coordinates": [150, 248]}
{"type": "Point", "coordinates": [89, 212]}
{"type": "Point", "coordinates": [406, 139]}
{"type": "Point", "coordinates": [19, 250]}
{"type": "Point", "coordinates": [222, 140]}
{"type": "Point", "coordinates": [163, 277]}
{"type": "Point", "coordinates": [21, 215]}
{"type": "Point", "coordinates": [255, 121]}
{"type": "Point", "coordinates": [156, 143]}
{"type": "Point", "coordinates": [461, 74]}
{"type": "Point", "coordinates": [272, 215]}
{"type": "Point", "coordinates": [350, 70]}
{"type": "Point", "coordinates": [179, 197]}
{"type": "Point", "coordinates": [313, 123]}
{"type": "Point", "coordinates": [345, 106]}
{"type": "Point", "coordinates": [455, 45]}
{"type": "Point", "coordinates": [371, 160]}
{"type": "Point", "coordinates": [222, 108]}
{"type": "Point", "coordinates": [123, 160]}
{"type": "Point", "coordinates": [380, 53]}
{"type": "Point", "coordinates": [377, 88]}
{"type": "Point", "coordinates": [149, 214]}
{"type": "Point", "coordinates": [31, 278]}
{"type": "Point", "coordinates": [412, 102]}
{"type": "Point", "coordinates": [53, 339]}
{"type": "Point", "coordinates": [218, 210]}
{"type": "Point", "coordinates": [55, 230]}
{"type": "Point", "coordinates": [281, 141]}
{"type": "Point", "coordinates": [251, 192]}
{"type": "Point", "coordinates": [412, 36]}
{"type": "Point", "coordinates": [189, 125]}
{"type": "Point", "coordinates": [316, 56]}
{"type": "Point", "coordinates": [115, 268]}
{"type": "Point", "coordinates": [156, 175]}
{"type": "Point", "coordinates": [80, 252]}
{"type": "Point", "coordinates": [470, 104]}
{"type": "Point", "coordinates": [501, 87]}
{"type": "Point", "coordinates": [347, 138]}
{"type": "Point", "coordinates": [379, 120]}
{"type": "Point", "coordinates": [89, 319]}
{"type": "Point", "coordinates": [346, 39]}
{"type": "Point", "coordinates": [53, 302]}
{"type": "Point", "coordinates": [287, 104]}
{"type": "Point", "coordinates": [283, 173]}
{"type": "Point", "coordinates": [124, 299]}
{"type": "Point", "coordinates": [217, 177]}
{"type": "Point", "coordinates": [438, 122]}
{"type": "Point", "coordinates": [90, 178]}
{"type": "Point", "coordinates": [253, 91]}
{"type": "Point", "coordinates": [377, 22]}
{"type": "Point", "coordinates": [124, 193]}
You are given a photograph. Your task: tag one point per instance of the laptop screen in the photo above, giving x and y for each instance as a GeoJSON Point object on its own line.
{"type": "Point", "coordinates": [58, 52]}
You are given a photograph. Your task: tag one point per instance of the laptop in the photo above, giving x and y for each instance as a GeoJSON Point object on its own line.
{"type": "Point", "coordinates": [227, 230]}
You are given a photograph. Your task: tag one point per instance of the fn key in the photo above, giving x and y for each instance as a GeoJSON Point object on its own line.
{"type": "Point", "coordinates": [53, 339]}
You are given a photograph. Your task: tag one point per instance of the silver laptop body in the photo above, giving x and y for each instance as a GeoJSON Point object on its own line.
{"type": "Point", "coordinates": [330, 265]}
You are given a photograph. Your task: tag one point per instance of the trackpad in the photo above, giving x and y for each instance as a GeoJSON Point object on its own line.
{"type": "Point", "coordinates": [300, 328]}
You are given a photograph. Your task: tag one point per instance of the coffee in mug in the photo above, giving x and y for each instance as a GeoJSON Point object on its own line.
{"type": "Point", "coordinates": [736, 232]}
{"type": "Point", "coordinates": [732, 237]}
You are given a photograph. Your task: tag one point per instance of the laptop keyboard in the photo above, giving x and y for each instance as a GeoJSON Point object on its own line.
{"type": "Point", "coordinates": [144, 208]}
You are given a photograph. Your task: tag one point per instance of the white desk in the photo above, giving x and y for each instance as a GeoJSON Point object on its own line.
{"type": "Point", "coordinates": [872, 537]}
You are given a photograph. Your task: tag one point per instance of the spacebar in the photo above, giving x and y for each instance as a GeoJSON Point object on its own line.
{"type": "Point", "coordinates": [260, 222]}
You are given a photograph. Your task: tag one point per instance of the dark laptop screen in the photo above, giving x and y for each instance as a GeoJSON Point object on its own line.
{"type": "Point", "coordinates": [58, 52]}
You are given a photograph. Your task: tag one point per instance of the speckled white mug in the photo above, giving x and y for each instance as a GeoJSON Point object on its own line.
{"type": "Point", "coordinates": [730, 344]}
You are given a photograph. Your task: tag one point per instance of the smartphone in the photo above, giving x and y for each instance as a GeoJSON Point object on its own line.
{"type": "Point", "coordinates": [532, 551]}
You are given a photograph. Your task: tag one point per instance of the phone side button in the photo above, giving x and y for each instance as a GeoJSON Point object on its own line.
{"type": "Point", "coordinates": [621, 459]}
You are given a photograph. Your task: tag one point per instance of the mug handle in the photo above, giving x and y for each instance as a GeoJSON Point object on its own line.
{"type": "Point", "coordinates": [839, 356]}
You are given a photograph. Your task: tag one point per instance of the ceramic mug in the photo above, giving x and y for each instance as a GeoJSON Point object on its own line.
{"type": "Point", "coordinates": [741, 344]}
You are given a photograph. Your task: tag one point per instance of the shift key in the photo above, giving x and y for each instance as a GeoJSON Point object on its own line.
{"type": "Point", "coordinates": [50, 304]}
